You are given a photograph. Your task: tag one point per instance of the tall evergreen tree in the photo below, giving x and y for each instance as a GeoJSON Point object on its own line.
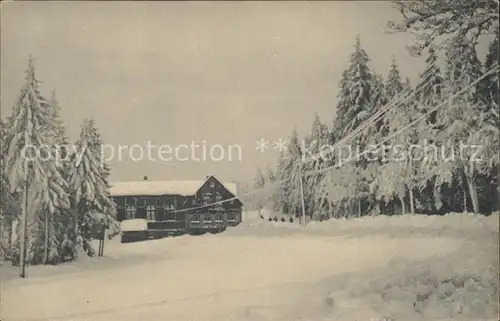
{"type": "Point", "coordinates": [9, 208]}
{"type": "Point", "coordinates": [394, 85]}
{"type": "Point", "coordinates": [259, 183]}
{"type": "Point", "coordinates": [458, 122]}
{"type": "Point", "coordinates": [316, 143]}
{"type": "Point", "coordinates": [488, 135]}
{"type": "Point", "coordinates": [89, 185]}
{"type": "Point", "coordinates": [354, 103]}
{"type": "Point", "coordinates": [288, 177]}
{"type": "Point", "coordinates": [429, 88]}
{"type": "Point", "coordinates": [32, 129]}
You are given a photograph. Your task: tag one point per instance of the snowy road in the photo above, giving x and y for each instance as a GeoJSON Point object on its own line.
{"type": "Point", "coordinates": [222, 277]}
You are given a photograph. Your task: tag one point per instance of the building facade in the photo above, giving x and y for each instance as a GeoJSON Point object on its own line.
{"type": "Point", "coordinates": [179, 203]}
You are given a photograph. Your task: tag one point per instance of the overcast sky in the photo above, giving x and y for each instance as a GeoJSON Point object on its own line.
{"type": "Point", "coordinates": [227, 73]}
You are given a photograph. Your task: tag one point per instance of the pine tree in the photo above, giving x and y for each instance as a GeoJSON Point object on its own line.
{"type": "Point", "coordinates": [57, 215]}
{"type": "Point", "coordinates": [376, 133]}
{"type": "Point", "coordinates": [399, 173]}
{"type": "Point", "coordinates": [32, 128]}
{"type": "Point", "coordinates": [341, 107]}
{"type": "Point", "coordinates": [394, 85]}
{"type": "Point", "coordinates": [354, 102]}
{"type": "Point", "coordinates": [316, 143]}
{"type": "Point", "coordinates": [458, 122]}
{"type": "Point", "coordinates": [271, 176]}
{"type": "Point", "coordinates": [488, 133]}
{"type": "Point", "coordinates": [9, 208]}
{"type": "Point", "coordinates": [281, 186]}
{"type": "Point", "coordinates": [356, 105]}
{"type": "Point", "coordinates": [429, 88]}
{"type": "Point", "coordinates": [260, 180]}
{"type": "Point", "coordinates": [89, 185]}
{"type": "Point", "coordinates": [429, 93]}
{"type": "Point", "coordinates": [259, 183]}
{"type": "Point", "coordinates": [287, 175]}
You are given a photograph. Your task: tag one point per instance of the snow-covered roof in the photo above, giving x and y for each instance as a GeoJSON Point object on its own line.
{"type": "Point", "coordinates": [185, 188]}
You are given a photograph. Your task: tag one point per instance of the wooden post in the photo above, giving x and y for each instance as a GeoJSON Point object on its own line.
{"type": "Point", "coordinates": [100, 238]}
{"type": "Point", "coordinates": [46, 239]}
{"type": "Point", "coordinates": [302, 196]}
{"type": "Point", "coordinates": [24, 224]}
{"type": "Point", "coordinates": [104, 229]}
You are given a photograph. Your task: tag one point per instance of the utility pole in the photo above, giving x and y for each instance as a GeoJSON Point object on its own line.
{"type": "Point", "coordinates": [24, 224]}
{"type": "Point", "coordinates": [302, 196]}
{"type": "Point", "coordinates": [101, 237]}
{"type": "Point", "coordinates": [104, 229]}
{"type": "Point", "coordinates": [46, 239]}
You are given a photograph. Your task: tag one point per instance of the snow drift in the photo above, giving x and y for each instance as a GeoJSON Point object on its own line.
{"type": "Point", "coordinates": [404, 268]}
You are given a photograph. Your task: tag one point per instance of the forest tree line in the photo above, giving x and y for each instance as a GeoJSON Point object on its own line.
{"type": "Point", "coordinates": [61, 186]}
{"type": "Point", "coordinates": [448, 108]}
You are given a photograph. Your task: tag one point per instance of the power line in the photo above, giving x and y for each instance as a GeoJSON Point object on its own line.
{"type": "Point", "coordinates": [441, 104]}
{"type": "Point", "coordinates": [371, 120]}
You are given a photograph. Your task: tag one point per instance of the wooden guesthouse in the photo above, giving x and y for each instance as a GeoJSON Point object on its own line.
{"type": "Point", "coordinates": [176, 207]}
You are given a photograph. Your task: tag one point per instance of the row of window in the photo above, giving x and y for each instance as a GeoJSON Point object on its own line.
{"type": "Point", "coordinates": [207, 199]}
{"type": "Point", "coordinates": [131, 211]}
{"type": "Point", "coordinates": [217, 218]}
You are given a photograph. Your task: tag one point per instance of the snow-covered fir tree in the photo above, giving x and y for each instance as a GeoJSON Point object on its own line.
{"type": "Point", "coordinates": [90, 190]}
{"type": "Point", "coordinates": [260, 180]}
{"type": "Point", "coordinates": [354, 106]}
{"type": "Point", "coordinates": [287, 176]}
{"type": "Point", "coordinates": [354, 103]}
{"type": "Point", "coordinates": [458, 121]}
{"type": "Point", "coordinates": [394, 85]}
{"type": "Point", "coordinates": [32, 127]}
{"type": "Point", "coordinates": [9, 208]}
{"type": "Point", "coordinates": [317, 144]}
{"type": "Point", "coordinates": [259, 183]}
{"type": "Point", "coordinates": [271, 175]}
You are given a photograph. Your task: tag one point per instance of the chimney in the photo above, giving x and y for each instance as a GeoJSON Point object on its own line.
{"type": "Point", "coordinates": [145, 178]}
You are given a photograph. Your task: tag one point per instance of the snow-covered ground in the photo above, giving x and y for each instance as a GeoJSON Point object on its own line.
{"type": "Point", "coordinates": [408, 268]}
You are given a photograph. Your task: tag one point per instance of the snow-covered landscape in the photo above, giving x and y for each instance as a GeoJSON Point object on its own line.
{"type": "Point", "coordinates": [370, 190]}
{"type": "Point", "coordinates": [405, 267]}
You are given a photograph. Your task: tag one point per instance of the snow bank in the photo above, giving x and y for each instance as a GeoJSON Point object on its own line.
{"type": "Point", "coordinates": [462, 285]}
{"type": "Point", "coordinates": [450, 221]}
{"type": "Point", "coordinates": [133, 225]}
{"type": "Point", "coordinates": [395, 226]}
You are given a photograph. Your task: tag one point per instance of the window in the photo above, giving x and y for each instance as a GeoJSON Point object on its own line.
{"type": "Point", "coordinates": [196, 218]}
{"type": "Point", "coordinates": [130, 211]}
{"type": "Point", "coordinates": [218, 218]}
{"type": "Point", "coordinates": [207, 218]}
{"type": "Point", "coordinates": [231, 202]}
{"type": "Point", "coordinates": [193, 202]}
{"type": "Point", "coordinates": [150, 212]}
{"type": "Point", "coordinates": [206, 198]}
{"type": "Point", "coordinates": [218, 197]}
{"type": "Point", "coordinates": [212, 185]}
{"type": "Point", "coordinates": [231, 217]}
{"type": "Point", "coordinates": [169, 212]}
